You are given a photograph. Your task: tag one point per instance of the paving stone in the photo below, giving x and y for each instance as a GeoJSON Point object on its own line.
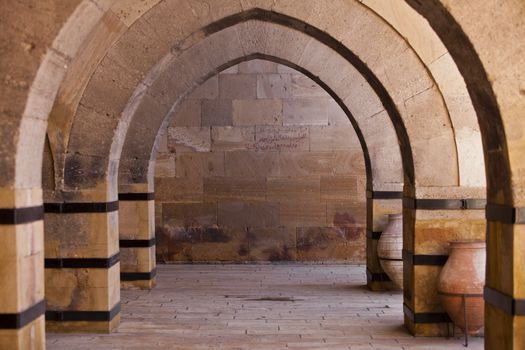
{"type": "Point", "coordinates": [278, 306]}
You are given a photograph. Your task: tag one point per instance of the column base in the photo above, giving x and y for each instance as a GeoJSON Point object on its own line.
{"type": "Point", "coordinates": [31, 336]}
{"type": "Point", "coordinates": [83, 326]}
{"type": "Point", "coordinates": [141, 284]}
{"type": "Point", "coordinates": [421, 325]}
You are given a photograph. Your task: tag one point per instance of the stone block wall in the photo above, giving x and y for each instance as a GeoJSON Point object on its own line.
{"type": "Point", "coordinates": [260, 164]}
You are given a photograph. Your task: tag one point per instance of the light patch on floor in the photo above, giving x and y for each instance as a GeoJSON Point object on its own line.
{"type": "Point", "coordinates": [259, 307]}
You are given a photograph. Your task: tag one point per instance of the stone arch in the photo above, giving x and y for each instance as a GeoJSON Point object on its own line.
{"type": "Point", "coordinates": [509, 195]}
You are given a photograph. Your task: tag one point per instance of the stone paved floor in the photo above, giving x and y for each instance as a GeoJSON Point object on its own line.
{"type": "Point", "coordinates": [259, 307]}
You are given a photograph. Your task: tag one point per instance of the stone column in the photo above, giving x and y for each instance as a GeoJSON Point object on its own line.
{"type": "Point", "coordinates": [82, 268]}
{"type": "Point", "coordinates": [431, 220]}
{"type": "Point", "coordinates": [379, 204]}
{"type": "Point", "coordinates": [22, 304]}
{"type": "Point", "coordinates": [137, 240]}
{"type": "Point", "coordinates": [505, 283]}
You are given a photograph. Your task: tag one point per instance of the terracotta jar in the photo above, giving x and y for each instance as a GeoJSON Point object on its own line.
{"type": "Point", "coordinates": [390, 249]}
{"type": "Point", "coordinates": [461, 283]}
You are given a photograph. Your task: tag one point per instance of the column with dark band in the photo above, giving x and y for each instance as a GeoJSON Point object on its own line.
{"type": "Point", "coordinates": [137, 240]}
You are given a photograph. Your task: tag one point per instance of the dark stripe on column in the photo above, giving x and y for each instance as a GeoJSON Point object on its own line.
{"type": "Point", "coordinates": [76, 208]}
{"type": "Point", "coordinates": [421, 259]}
{"type": "Point", "coordinates": [138, 276]}
{"type": "Point", "coordinates": [16, 216]}
{"type": "Point", "coordinates": [136, 196]}
{"type": "Point", "coordinates": [384, 194]}
{"type": "Point", "coordinates": [21, 319]}
{"type": "Point", "coordinates": [376, 276]}
{"type": "Point", "coordinates": [443, 204]}
{"type": "Point", "coordinates": [87, 316]}
{"type": "Point", "coordinates": [425, 317]}
{"type": "Point", "coordinates": [505, 214]}
{"type": "Point", "coordinates": [373, 234]}
{"type": "Point", "coordinates": [79, 263]}
{"type": "Point", "coordinates": [137, 243]}
{"type": "Point", "coordinates": [504, 302]}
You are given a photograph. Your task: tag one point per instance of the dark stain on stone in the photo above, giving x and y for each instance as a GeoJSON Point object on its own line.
{"type": "Point", "coordinates": [243, 250]}
{"type": "Point", "coordinates": [353, 233]}
{"type": "Point", "coordinates": [343, 220]}
{"type": "Point", "coordinates": [314, 238]}
{"type": "Point", "coordinates": [291, 299]}
{"type": "Point", "coordinates": [279, 254]}
{"type": "Point", "coordinates": [214, 235]}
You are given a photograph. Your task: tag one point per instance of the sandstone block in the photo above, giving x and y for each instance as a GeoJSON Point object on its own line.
{"type": "Point", "coordinates": [207, 90]}
{"type": "Point", "coordinates": [189, 214]}
{"type": "Point", "coordinates": [248, 214]}
{"type": "Point", "coordinates": [333, 137]}
{"type": "Point", "coordinates": [274, 86]}
{"type": "Point", "coordinates": [295, 189]}
{"type": "Point", "coordinates": [282, 138]}
{"type": "Point", "coordinates": [305, 214]}
{"type": "Point", "coordinates": [195, 165]}
{"type": "Point", "coordinates": [251, 163]}
{"type": "Point", "coordinates": [179, 189]}
{"type": "Point", "coordinates": [302, 86]}
{"type": "Point", "coordinates": [231, 138]}
{"type": "Point", "coordinates": [188, 113]}
{"type": "Point", "coordinates": [321, 163]}
{"type": "Point", "coordinates": [257, 112]}
{"type": "Point", "coordinates": [189, 139]}
{"type": "Point", "coordinates": [238, 86]}
{"type": "Point", "coordinates": [217, 112]}
{"type": "Point", "coordinates": [346, 214]}
{"type": "Point", "coordinates": [165, 165]}
{"type": "Point", "coordinates": [258, 66]}
{"type": "Point", "coordinates": [339, 187]}
{"type": "Point", "coordinates": [271, 244]}
{"type": "Point", "coordinates": [304, 111]}
{"type": "Point", "coordinates": [234, 188]}
{"type": "Point", "coordinates": [318, 243]}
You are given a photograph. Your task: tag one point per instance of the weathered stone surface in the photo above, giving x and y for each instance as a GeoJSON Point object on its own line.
{"type": "Point", "coordinates": [208, 90]}
{"type": "Point", "coordinates": [189, 139]}
{"type": "Point", "coordinates": [258, 66]}
{"type": "Point", "coordinates": [237, 86]}
{"type": "Point", "coordinates": [346, 214]}
{"type": "Point", "coordinates": [282, 138]}
{"type": "Point", "coordinates": [179, 189]}
{"type": "Point", "coordinates": [165, 165]}
{"type": "Point", "coordinates": [248, 214]}
{"type": "Point", "coordinates": [234, 188]}
{"type": "Point", "coordinates": [189, 214]}
{"type": "Point", "coordinates": [251, 164]}
{"type": "Point", "coordinates": [321, 163]}
{"type": "Point", "coordinates": [274, 86]}
{"type": "Point", "coordinates": [302, 86]}
{"type": "Point", "coordinates": [330, 138]}
{"type": "Point", "coordinates": [338, 187]}
{"type": "Point", "coordinates": [304, 111]}
{"type": "Point", "coordinates": [317, 243]}
{"type": "Point", "coordinates": [294, 189]}
{"type": "Point", "coordinates": [195, 165]}
{"type": "Point", "coordinates": [187, 114]}
{"type": "Point", "coordinates": [231, 138]}
{"type": "Point", "coordinates": [275, 244]}
{"type": "Point", "coordinates": [304, 213]}
{"type": "Point", "coordinates": [257, 112]}
{"type": "Point", "coordinates": [217, 112]}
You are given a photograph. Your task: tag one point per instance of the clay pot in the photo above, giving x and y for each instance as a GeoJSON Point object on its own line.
{"type": "Point", "coordinates": [390, 249]}
{"type": "Point", "coordinates": [461, 284]}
